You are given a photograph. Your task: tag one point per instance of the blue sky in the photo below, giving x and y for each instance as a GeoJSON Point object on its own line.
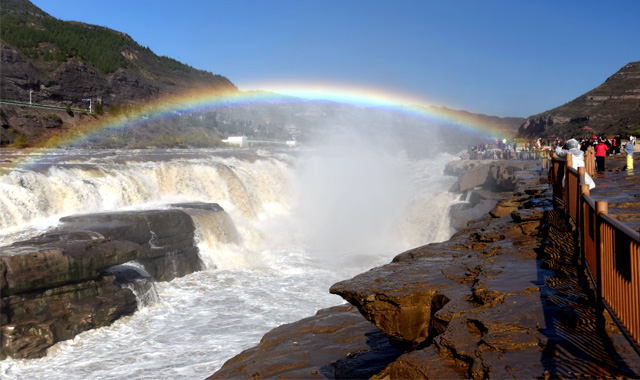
{"type": "Point", "coordinates": [498, 57]}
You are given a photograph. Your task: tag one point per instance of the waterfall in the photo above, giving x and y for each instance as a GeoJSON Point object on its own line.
{"type": "Point", "coordinates": [31, 200]}
{"type": "Point", "coordinates": [214, 231]}
{"type": "Point", "coordinates": [132, 275]}
{"type": "Point", "coordinates": [292, 225]}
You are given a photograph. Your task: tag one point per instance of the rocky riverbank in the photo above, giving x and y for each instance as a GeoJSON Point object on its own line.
{"type": "Point", "coordinates": [503, 298]}
{"type": "Point", "coordinates": [82, 276]}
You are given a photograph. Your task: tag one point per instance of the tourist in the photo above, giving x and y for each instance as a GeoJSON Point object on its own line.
{"type": "Point", "coordinates": [609, 145]}
{"type": "Point", "coordinates": [617, 143]}
{"type": "Point", "coordinates": [601, 152]}
{"type": "Point", "coordinates": [585, 145]}
{"type": "Point", "coordinates": [628, 149]}
{"type": "Point", "coordinates": [573, 147]}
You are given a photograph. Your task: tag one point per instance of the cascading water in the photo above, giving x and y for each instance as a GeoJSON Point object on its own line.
{"type": "Point", "coordinates": [139, 281]}
{"type": "Point", "coordinates": [294, 224]}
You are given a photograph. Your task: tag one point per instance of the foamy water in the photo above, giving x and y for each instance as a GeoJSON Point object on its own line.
{"type": "Point", "coordinates": [295, 224]}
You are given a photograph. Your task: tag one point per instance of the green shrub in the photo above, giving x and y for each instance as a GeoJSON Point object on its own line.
{"type": "Point", "coordinates": [20, 142]}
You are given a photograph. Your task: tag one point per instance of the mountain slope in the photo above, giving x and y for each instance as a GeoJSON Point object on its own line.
{"type": "Point", "coordinates": [613, 107]}
{"type": "Point", "coordinates": [58, 63]}
{"type": "Point", "coordinates": [66, 62]}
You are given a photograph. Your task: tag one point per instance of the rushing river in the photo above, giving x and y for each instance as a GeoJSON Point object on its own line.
{"type": "Point", "coordinates": [299, 222]}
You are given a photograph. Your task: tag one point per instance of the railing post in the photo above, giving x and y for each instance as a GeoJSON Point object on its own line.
{"type": "Point", "coordinates": [584, 190]}
{"type": "Point", "coordinates": [566, 194]}
{"type": "Point", "coordinates": [579, 194]}
{"type": "Point", "coordinates": [602, 207]}
{"type": "Point", "coordinates": [591, 166]}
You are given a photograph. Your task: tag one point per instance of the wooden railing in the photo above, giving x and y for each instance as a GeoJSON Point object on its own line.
{"type": "Point", "coordinates": [609, 249]}
{"type": "Point", "coordinates": [590, 161]}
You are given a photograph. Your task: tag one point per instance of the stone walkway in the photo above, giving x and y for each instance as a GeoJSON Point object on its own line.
{"type": "Point", "coordinates": [621, 188]}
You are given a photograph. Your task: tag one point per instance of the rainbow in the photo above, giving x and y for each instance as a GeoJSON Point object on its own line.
{"type": "Point", "coordinates": [205, 100]}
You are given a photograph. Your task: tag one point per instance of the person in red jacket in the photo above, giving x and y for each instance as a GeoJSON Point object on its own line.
{"type": "Point", "coordinates": [601, 152]}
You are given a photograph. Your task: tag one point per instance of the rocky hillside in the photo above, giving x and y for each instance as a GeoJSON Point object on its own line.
{"type": "Point", "coordinates": [613, 107]}
{"type": "Point", "coordinates": [59, 63]}
{"type": "Point", "coordinates": [65, 62]}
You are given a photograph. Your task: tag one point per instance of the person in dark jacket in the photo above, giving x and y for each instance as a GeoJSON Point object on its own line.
{"type": "Point", "coordinates": [617, 144]}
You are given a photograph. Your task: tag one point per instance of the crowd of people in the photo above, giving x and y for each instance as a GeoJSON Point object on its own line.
{"type": "Point", "coordinates": [506, 150]}
{"type": "Point", "coordinates": [533, 149]}
{"type": "Point", "coordinates": [604, 147]}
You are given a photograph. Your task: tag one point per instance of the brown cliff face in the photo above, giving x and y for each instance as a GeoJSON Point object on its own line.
{"type": "Point", "coordinates": [613, 107]}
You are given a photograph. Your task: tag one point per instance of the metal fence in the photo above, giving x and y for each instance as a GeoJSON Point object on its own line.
{"type": "Point", "coordinates": [609, 249]}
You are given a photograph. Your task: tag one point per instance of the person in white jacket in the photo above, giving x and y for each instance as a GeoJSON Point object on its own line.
{"type": "Point", "coordinates": [573, 147]}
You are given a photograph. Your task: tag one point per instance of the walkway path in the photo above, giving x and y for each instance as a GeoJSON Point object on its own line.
{"type": "Point", "coordinates": [621, 188]}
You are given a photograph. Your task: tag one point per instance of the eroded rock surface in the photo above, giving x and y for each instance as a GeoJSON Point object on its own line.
{"type": "Point", "coordinates": [165, 238]}
{"type": "Point", "coordinates": [335, 343]}
{"type": "Point", "coordinates": [75, 278]}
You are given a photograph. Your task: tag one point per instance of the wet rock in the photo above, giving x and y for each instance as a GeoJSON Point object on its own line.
{"type": "Point", "coordinates": [495, 175]}
{"type": "Point", "coordinates": [34, 321]}
{"type": "Point", "coordinates": [545, 204]}
{"type": "Point", "coordinates": [474, 178]}
{"type": "Point", "coordinates": [506, 206]}
{"type": "Point", "coordinates": [165, 236]}
{"type": "Point", "coordinates": [422, 364]}
{"type": "Point", "coordinates": [461, 218]}
{"type": "Point", "coordinates": [77, 277]}
{"type": "Point", "coordinates": [199, 205]}
{"type": "Point", "coordinates": [55, 288]}
{"type": "Point", "coordinates": [335, 343]}
{"type": "Point", "coordinates": [29, 268]}
{"type": "Point", "coordinates": [402, 309]}
{"type": "Point", "coordinates": [527, 215]}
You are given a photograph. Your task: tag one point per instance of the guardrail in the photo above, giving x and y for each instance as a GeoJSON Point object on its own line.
{"type": "Point", "coordinates": [609, 249]}
{"type": "Point", "coordinates": [58, 108]}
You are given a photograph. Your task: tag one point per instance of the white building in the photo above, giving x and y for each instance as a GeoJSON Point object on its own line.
{"type": "Point", "coordinates": [240, 141]}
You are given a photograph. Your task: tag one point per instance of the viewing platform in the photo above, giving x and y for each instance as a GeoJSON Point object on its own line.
{"type": "Point", "coordinates": [607, 234]}
{"type": "Point", "coordinates": [621, 189]}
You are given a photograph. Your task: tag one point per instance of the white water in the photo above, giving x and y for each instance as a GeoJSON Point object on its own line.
{"type": "Point", "coordinates": [296, 224]}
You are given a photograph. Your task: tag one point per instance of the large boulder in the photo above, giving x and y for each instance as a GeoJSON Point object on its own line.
{"type": "Point", "coordinates": [34, 321]}
{"type": "Point", "coordinates": [54, 289]}
{"type": "Point", "coordinates": [34, 267]}
{"type": "Point", "coordinates": [493, 175]}
{"type": "Point", "coordinates": [401, 299]}
{"type": "Point", "coordinates": [77, 277]}
{"type": "Point", "coordinates": [165, 236]}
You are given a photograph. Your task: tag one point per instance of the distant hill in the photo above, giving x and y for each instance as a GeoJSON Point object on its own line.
{"type": "Point", "coordinates": [505, 126]}
{"type": "Point", "coordinates": [611, 108]}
